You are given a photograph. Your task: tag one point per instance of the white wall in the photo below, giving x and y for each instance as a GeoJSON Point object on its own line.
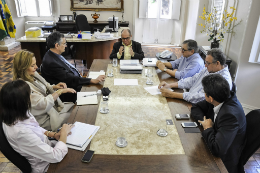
{"type": "Point", "coordinates": [201, 38]}
{"type": "Point", "coordinates": [191, 25]}
{"type": "Point", "coordinates": [248, 79]}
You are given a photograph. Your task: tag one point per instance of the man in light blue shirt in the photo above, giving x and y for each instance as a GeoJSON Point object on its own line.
{"type": "Point", "coordinates": [214, 63]}
{"type": "Point", "coordinates": [187, 65]}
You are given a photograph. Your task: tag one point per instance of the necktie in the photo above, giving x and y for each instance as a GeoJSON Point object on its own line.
{"type": "Point", "coordinates": [73, 69]}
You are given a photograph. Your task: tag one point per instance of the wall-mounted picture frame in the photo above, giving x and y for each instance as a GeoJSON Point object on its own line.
{"type": "Point", "coordinates": [64, 18]}
{"type": "Point", "coordinates": [97, 5]}
{"type": "Point", "coordinates": [70, 18]}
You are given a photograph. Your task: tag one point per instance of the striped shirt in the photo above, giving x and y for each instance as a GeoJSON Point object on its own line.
{"type": "Point", "coordinates": [196, 92]}
{"type": "Point", "coordinates": [188, 67]}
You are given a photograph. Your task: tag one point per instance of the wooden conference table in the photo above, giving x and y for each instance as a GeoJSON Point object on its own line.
{"type": "Point", "coordinates": [197, 157]}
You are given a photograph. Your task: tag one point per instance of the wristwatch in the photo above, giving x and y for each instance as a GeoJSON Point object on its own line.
{"type": "Point", "coordinates": [165, 69]}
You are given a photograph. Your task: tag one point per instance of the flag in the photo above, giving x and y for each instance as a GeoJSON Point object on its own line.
{"type": "Point", "coordinates": [3, 33]}
{"type": "Point", "coordinates": [7, 19]}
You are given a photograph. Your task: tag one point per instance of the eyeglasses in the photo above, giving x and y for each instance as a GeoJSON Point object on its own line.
{"type": "Point", "coordinates": [127, 38]}
{"type": "Point", "coordinates": [208, 63]}
{"type": "Point", "coordinates": [183, 50]}
{"type": "Point", "coordinates": [65, 44]}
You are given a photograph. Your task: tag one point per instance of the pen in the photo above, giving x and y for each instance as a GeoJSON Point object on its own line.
{"type": "Point", "coordinates": [89, 95]}
{"type": "Point", "coordinates": [90, 137]}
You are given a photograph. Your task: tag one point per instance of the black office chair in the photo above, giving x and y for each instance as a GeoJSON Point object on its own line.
{"type": "Point", "coordinates": [82, 25]}
{"type": "Point", "coordinates": [252, 134]}
{"type": "Point", "coordinates": [16, 158]}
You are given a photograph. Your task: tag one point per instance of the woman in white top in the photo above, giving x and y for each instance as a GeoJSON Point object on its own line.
{"type": "Point", "coordinates": [47, 108]}
{"type": "Point", "coordinates": [24, 133]}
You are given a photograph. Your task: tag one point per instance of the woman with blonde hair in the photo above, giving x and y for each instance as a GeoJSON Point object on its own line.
{"type": "Point", "coordinates": [46, 107]}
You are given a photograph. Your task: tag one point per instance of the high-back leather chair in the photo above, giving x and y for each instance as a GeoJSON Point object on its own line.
{"type": "Point", "coordinates": [16, 158]}
{"type": "Point", "coordinates": [82, 23]}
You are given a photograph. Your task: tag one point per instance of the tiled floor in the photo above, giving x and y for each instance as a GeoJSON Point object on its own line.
{"type": "Point", "coordinates": [6, 60]}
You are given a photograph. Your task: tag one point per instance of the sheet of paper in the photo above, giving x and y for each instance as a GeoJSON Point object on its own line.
{"type": "Point", "coordinates": [153, 90]}
{"type": "Point", "coordinates": [87, 98]}
{"type": "Point", "coordinates": [125, 81]}
{"type": "Point", "coordinates": [94, 75]}
{"type": "Point", "coordinates": [80, 134]}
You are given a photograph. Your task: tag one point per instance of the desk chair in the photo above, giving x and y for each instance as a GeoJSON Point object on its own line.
{"type": "Point", "coordinates": [252, 134]}
{"type": "Point", "coordinates": [82, 25]}
{"type": "Point", "coordinates": [17, 159]}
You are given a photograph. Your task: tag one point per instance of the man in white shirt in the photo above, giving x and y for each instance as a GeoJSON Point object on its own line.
{"type": "Point", "coordinates": [214, 63]}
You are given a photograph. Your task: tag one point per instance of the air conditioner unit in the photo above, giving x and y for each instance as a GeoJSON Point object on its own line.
{"type": "Point", "coordinates": [29, 24]}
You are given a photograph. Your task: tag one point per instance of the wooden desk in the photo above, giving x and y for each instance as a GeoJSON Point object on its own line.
{"type": "Point", "coordinates": [197, 157]}
{"type": "Point", "coordinates": [85, 49]}
{"type": "Point", "coordinates": [65, 27]}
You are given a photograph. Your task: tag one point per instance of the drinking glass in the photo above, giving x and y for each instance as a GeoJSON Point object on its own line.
{"type": "Point", "coordinates": [114, 62]}
{"type": "Point", "coordinates": [104, 107]}
{"type": "Point", "coordinates": [150, 72]}
{"type": "Point", "coordinates": [110, 72]}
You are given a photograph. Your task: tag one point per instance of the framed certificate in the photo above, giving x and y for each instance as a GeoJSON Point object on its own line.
{"type": "Point", "coordinates": [70, 18]}
{"type": "Point", "coordinates": [64, 18]}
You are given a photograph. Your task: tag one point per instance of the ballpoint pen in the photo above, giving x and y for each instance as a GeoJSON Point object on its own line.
{"type": "Point", "coordinates": [89, 95]}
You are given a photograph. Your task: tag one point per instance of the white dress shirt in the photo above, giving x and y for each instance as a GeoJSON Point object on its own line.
{"type": "Point", "coordinates": [27, 138]}
{"type": "Point", "coordinates": [216, 110]}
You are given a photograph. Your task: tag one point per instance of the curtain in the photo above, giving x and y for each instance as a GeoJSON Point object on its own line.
{"type": "Point", "coordinates": [7, 20]}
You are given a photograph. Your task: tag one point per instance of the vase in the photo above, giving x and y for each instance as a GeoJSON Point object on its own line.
{"type": "Point", "coordinates": [214, 44]}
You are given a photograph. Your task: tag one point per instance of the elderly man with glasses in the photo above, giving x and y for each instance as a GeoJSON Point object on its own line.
{"type": "Point", "coordinates": [214, 63]}
{"type": "Point", "coordinates": [127, 48]}
{"type": "Point", "coordinates": [187, 65]}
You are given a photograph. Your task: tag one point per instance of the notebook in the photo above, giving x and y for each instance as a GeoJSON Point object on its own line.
{"type": "Point", "coordinates": [81, 133]}
{"type": "Point", "coordinates": [94, 74]}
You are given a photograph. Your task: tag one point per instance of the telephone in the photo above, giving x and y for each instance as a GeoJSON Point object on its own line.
{"type": "Point", "coordinates": [165, 54]}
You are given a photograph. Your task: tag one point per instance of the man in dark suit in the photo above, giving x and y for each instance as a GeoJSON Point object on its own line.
{"type": "Point", "coordinates": [223, 120]}
{"type": "Point", "coordinates": [127, 48]}
{"type": "Point", "coordinates": [55, 68]}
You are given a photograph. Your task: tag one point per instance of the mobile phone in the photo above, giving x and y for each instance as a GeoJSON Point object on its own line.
{"type": "Point", "coordinates": [182, 116]}
{"type": "Point", "coordinates": [189, 124]}
{"type": "Point", "coordinates": [87, 156]}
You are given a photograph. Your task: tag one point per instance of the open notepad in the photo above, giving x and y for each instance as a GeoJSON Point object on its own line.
{"type": "Point", "coordinates": [81, 135]}
{"type": "Point", "coordinates": [86, 98]}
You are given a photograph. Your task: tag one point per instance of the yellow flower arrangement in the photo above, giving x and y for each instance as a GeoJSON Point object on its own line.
{"type": "Point", "coordinates": [216, 29]}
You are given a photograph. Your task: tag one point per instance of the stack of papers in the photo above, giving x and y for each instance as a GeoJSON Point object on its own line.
{"type": "Point", "coordinates": [103, 35]}
{"type": "Point", "coordinates": [130, 65]}
{"type": "Point", "coordinates": [87, 98]}
{"type": "Point", "coordinates": [94, 75]}
{"type": "Point", "coordinates": [125, 82]}
{"type": "Point", "coordinates": [81, 135]}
